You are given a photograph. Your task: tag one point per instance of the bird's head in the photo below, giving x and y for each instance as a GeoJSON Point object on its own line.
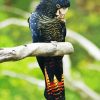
{"type": "Point", "coordinates": [53, 8]}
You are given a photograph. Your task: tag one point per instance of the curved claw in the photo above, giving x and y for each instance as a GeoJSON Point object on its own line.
{"type": "Point", "coordinates": [54, 43]}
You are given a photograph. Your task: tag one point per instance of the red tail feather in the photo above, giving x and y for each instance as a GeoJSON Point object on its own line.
{"type": "Point", "coordinates": [54, 88]}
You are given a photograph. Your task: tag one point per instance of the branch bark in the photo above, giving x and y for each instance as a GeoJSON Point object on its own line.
{"type": "Point", "coordinates": [13, 21]}
{"type": "Point", "coordinates": [15, 10]}
{"type": "Point", "coordinates": [31, 80]}
{"type": "Point", "coordinates": [35, 49]}
{"type": "Point", "coordinates": [90, 47]}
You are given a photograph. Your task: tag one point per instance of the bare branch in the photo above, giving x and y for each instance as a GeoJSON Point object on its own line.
{"type": "Point", "coordinates": [67, 65]}
{"type": "Point", "coordinates": [13, 21]}
{"type": "Point", "coordinates": [91, 48]}
{"type": "Point", "coordinates": [82, 89]}
{"type": "Point", "coordinates": [78, 86]}
{"type": "Point", "coordinates": [35, 49]}
{"type": "Point", "coordinates": [15, 10]}
{"type": "Point", "coordinates": [31, 80]}
{"type": "Point", "coordinates": [94, 68]}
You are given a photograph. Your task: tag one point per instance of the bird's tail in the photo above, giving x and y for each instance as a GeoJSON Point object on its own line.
{"type": "Point", "coordinates": [52, 69]}
{"type": "Point", "coordinates": [54, 89]}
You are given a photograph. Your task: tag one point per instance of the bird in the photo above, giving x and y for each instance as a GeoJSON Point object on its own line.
{"type": "Point", "coordinates": [47, 25]}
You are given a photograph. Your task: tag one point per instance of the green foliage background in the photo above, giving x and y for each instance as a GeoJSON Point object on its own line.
{"type": "Point", "coordinates": [83, 17]}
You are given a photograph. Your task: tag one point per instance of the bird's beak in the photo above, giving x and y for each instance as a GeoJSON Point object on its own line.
{"type": "Point", "coordinates": [61, 13]}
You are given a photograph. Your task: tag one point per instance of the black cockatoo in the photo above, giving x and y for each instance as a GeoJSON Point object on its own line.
{"type": "Point", "coordinates": [47, 24]}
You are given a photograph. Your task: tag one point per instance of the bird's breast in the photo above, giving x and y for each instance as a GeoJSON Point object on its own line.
{"type": "Point", "coordinates": [51, 30]}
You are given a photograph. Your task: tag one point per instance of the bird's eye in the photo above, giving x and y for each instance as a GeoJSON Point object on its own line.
{"type": "Point", "coordinates": [58, 6]}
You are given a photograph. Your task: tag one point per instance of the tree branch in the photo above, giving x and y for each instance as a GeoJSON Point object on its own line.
{"type": "Point", "coordinates": [27, 78]}
{"type": "Point", "coordinates": [76, 85]}
{"type": "Point", "coordinates": [13, 21]}
{"type": "Point", "coordinates": [90, 47]}
{"type": "Point", "coordinates": [35, 49]}
{"type": "Point", "coordinates": [15, 11]}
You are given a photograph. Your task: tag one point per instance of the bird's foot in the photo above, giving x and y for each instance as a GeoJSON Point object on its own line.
{"type": "Point", "coordinates": [54, 43]}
